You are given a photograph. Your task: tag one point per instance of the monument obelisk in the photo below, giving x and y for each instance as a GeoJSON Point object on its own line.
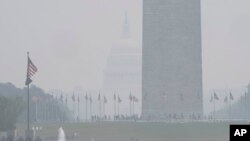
{"type": "Point", "coordinates": [172, 61]}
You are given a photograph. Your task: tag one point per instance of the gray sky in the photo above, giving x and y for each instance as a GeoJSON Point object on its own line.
{"type": "Point", "coordinates": [226, 45]}
{"type": "Point", "coordinates": [70, 40]}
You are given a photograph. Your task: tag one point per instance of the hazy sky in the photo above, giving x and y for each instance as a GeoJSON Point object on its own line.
{"type": "Point", "coordinates": [70, 40]}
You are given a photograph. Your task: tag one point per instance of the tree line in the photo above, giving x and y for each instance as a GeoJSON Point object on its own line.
{"type": "Point", "coordinates": [10, 109]}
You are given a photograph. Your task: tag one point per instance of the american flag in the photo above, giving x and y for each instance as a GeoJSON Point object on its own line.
{"type": "Point", "coordinates": [225, 99]}
{"type": "Point", "coordinates": [211, 99]}
{"type": "Point", "coordinates": [130, 97]}
{"type": "Point", "coordinates": [216, 96]}
{"type": "Point", "coordinates": [90, 99]}
{"type": "Point", "coordinates": [73, 97]}
{"type": "Point", "coordinates": [119, 99]}
{"type": "Point", "coordinates": [99, 97]}
{"type": "Point", "coordinates": [105, 99]}
{"type": "Point", "coordinates": [78, 99]}
{"type": "Point", "coordinates": [135, 99]}
{"type": "Point", "coordinates": [66, 100]}
{"type": "Point", "coordinates": [86, 97]}
{"type": "Point", "coordinates": [61, 97]}
{"type": "Point", "coordinates": [231, 96]}
{"type": "Point", "coordinates": [31, 70]}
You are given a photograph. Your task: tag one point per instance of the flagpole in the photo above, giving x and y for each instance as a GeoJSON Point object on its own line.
{"type": "Point", "coordinates": [211, 100]}
{"type": "Point", "coordinates": [133, 104]}
{"type": "Point", "coordinates": [51, 111]}
{"type": "Point", "coordinates": [47, 106]}
{"type": "Point", "coordinates": [39, 109]}
{"type": "Point", "coordinates": [78, 108]}
{"type": "Point", "coordinates": [114, 105]}
{"type": "Point", "coordinates": [74, 110]}
{"type": "Point", "coordinates": [130, 107]}
{"type": "Point", "coordinates": [243, 105]}
{"type": "Point", "coordinates": [214, 105]}
{"type": "Point", "coordinates": [130, 102]}
{"type": "Point", "coordinates": [28, 107]}
{"type": "Point", "coordinates": [104, 114]}
{"type": "Point", "coordinates": [118, 104]}
{"type": "Point", "coordinates": [31, 70]}
{"type": "Point", "coordinates": [246, 105]}
{"type": "Point", "coordinates": [28, 102]}
{"type": "Point", "coordinates": [44, 111]}
{"type": "Point", "coordinates": [56, 108]}
{"type": "Point", "coordinates": [66, 103]}
{"type": "Point", "coordinates": [100, 114]}
{"type": "Point", "coordinates": [227, 110]}
{"type": "Point", "coordinates": [100, 106]}
{"type": "Point", "coordinates": [86, 100]}
{"type": "Point", "coordinates": [36, 111]}
{"type": "Point", "coordinates": [90, 107]}
{"type": "Point", "coordinates": [230, 106]}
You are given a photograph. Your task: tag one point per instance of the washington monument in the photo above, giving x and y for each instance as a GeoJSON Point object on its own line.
{"type": "Point", "coordinates": [172, 61]}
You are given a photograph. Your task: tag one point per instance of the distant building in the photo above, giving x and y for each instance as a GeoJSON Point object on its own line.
{"type": "Point", "coordinates": [171, 62]}
{"type": "Point", "coordinates": [122, 73]}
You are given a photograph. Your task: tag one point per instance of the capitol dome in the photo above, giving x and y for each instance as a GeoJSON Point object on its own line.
{"type": "Point", "coordinates": [123, 68]}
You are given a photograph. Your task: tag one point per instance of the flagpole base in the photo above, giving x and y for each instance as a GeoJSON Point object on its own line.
{"type": "Point", "coordinates": [29, 135]}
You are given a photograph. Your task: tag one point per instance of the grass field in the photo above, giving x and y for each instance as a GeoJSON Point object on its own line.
{"type": "Point", "coordinates": [137, 131]}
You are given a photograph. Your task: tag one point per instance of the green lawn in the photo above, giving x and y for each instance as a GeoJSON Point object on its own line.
{"type": "Point", "coordinates": [141, 131]}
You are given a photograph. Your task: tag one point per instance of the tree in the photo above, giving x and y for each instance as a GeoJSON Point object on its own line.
{"type": "Point", "coordinates": [10, 109]}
